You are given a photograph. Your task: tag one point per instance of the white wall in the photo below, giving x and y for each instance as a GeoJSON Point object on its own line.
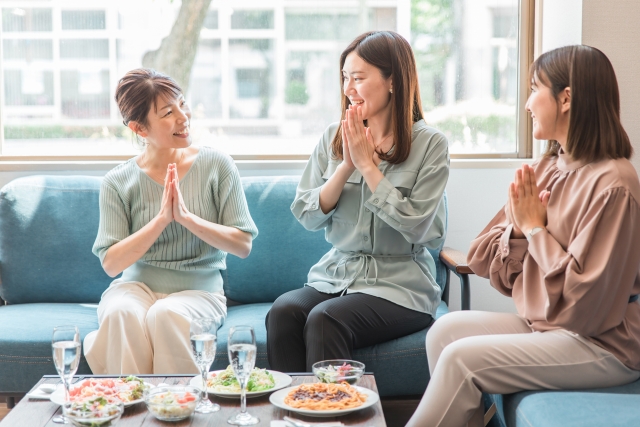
{"type": "Point", "coordinates": [561, 23]}
{"type": "Point", "coordinates": [475, 196]}
{"type": "Point", "coordinates": [612, 26]}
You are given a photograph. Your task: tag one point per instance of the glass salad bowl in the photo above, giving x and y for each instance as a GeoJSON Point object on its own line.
{"type": "Point", "coordinates": [172, 402]}
{"type": "Point", "coordinates": [96, 412]}
{"type": "Point", "coordinates": [338, 370]}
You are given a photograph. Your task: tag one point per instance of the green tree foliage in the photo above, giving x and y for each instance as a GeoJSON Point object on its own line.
{"type": "Point", "coordinates": [296, 93]}
{"type": "Point", "coordinates": [433, 34]}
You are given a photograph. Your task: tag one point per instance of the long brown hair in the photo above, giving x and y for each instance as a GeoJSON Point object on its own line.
{"type": "Point", "coordinates": [595, 131]}
{"type": "Point", "coordinates": [390, 53]}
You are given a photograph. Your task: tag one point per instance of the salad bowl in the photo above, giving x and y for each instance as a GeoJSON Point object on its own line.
{"type": "Point", "coordinates": [172, 402]}
{"type": "Point", "coordinates": [338, 370]}
{"type": "Point", "coordinates": [95, 412]}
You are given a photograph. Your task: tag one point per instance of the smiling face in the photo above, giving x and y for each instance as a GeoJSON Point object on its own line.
{"type": "Point", "coordinates": [168, 123]}
{"type": "Point", "coordinates": [365, 86]}
{"type": "Point", "coordinates": [550, 114]}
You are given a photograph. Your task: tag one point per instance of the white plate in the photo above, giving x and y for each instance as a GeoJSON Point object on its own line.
{"type": "Point", "coordinates": [282, 380]}
{"type": "Point", "coordinates": [57, 396]}
{"type": "Point", "coordinates": [277, 399]}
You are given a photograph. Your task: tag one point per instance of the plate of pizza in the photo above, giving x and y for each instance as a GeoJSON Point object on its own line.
{"type": "Point", "coordinates": [324, 400]}
{"type": "Point", "coordinates": [127, 390]}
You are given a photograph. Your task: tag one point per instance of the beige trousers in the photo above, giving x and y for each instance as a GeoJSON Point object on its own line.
{"type": "Point", "coordinates": [471, 352]}
{"type": "Point", "coordinates": [142, 332]}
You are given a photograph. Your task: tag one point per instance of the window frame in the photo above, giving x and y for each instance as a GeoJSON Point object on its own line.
{"type": "Point", "coordinates": [529, 28]}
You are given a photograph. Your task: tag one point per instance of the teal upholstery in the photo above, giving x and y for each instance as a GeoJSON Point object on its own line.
{"type": "Point", "coordinates": [25, 340]}
{"type": "Point", "coordinates": [284, 251]}
{"type": "Point", "coordinates": [48, 274]}
{"type": "Point", "coordinates": [612, 407]}
{"type": "Point", "coordinates": [47, 229]}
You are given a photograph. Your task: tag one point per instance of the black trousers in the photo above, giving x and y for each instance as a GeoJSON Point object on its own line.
{"type": "Point", "coordinates": [305, 326]}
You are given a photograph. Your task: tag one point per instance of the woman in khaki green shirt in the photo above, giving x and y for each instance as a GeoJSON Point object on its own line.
{"type": "Point", "coordinates": [375, 184]}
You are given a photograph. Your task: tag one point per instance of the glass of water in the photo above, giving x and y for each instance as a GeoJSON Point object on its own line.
{"type": "Point", "coordinates": [66, 356]}
{"type": "Point", "coordinates": [203, 342]}
{"type": "Point", "coordinates": [242, 356]}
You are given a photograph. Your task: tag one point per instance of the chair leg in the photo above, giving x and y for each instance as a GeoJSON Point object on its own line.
{"type": "Point", "coordinates": [11, 402]}
{"type": "Point", "coordinates": [445, 292]}
{"type": "Point", "coordinates": [466, 292]}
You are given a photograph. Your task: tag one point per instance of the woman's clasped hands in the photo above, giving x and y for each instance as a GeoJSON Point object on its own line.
{"type": "Point", "coordinates": [358, 149]}
{"type": "Point", "coordinates": [527, 205]}
{"type": "Point", "coordinates": [173, 206]}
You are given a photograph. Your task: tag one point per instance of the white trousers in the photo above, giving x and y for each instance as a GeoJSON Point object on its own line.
{"type": "Point", "coordinates": [471, 352]}
{"type": "Point", "coordinates": [142, 332]}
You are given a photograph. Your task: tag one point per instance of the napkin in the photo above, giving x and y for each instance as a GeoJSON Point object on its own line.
{"type": "Point", "coordinates": [282, 423]}
{"type": "Point", "coordinates": [39, 394]}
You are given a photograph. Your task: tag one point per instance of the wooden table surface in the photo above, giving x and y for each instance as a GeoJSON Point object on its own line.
{"type": "Point", "coordinates": [38, 413]}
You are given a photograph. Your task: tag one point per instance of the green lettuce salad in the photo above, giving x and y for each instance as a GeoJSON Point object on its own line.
{"type": "Point", "coordinates": [225, 381]}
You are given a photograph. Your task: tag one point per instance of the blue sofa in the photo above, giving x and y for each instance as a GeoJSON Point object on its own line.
{"type": "Point", "coordinates": [49, 277]}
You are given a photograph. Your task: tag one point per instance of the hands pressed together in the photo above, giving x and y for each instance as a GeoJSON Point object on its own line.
{"type": "Point", "coordinates": [358, 149]}
{"type": "Point", "coordinates": [527, 205]}
{"type": "Point", "coordinates": [173, 206]}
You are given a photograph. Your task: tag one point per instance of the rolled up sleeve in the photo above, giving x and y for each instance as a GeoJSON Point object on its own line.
{"type": "Point", "coordinates": [306, 206]}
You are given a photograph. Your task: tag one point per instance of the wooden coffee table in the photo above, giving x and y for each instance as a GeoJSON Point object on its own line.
{"type": "Point", "coordinates": [38, 413]}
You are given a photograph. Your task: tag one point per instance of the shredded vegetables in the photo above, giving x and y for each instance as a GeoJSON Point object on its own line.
{"type": "Point", "coordinates": [172, 405]}
{"type": "Point", "coordinates": [225, 381]}
{"type": "Point", "coordinates": [97, 412]}
{"type": "Point", "coordinates": [336, 373]}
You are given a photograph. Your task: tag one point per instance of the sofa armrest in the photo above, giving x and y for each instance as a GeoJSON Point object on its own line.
{"type": "Point", "coordinates": [456, 262]}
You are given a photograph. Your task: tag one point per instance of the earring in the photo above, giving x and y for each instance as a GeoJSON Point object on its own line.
{"type": "Point", "coordinates": [391, 90]}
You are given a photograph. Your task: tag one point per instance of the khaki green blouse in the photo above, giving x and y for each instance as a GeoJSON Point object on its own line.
{"type": "Point", "coordinates": [380, 239]}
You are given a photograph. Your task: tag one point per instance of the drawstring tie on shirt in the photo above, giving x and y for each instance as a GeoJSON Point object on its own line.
{"type": "Point", "coordinates": [368, 265]}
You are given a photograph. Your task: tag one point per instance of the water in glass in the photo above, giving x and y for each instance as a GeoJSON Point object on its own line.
{"type": "Point", "coordinates": [66, 357]}
{"type": "Point", "coordinates": [65, 345]}
{"type": "Point", "coordinates": [243, 359]}
{"type": "Point", "coordinates": [242, 356]}
{"type": "Point", "coordinates": [204, 348]}
{"type": "Point", "coordinates": [203, 343]}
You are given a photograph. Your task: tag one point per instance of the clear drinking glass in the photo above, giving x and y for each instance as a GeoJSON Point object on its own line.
{"type": "Point", "coordinates": [242, 356]}
{"type": "Point", "coordinates": [65, 344]}
{"type": "Point", "coordinates": [203, 342]}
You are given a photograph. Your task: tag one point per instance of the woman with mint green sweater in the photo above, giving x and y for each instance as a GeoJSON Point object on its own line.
{"type": "Point", "coordinates": [168, 217]}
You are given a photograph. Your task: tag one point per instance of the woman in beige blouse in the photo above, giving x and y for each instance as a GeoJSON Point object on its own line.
{"type": "Point", "coordinates": [566, 247]}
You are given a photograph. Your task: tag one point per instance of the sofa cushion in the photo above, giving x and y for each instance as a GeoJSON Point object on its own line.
{"type": "Point", "coordinates": [47, 228]}
{"type": "Point", "coordinates": [25, 340]}
{"type": "Point", "coordinates": [613, 406]}
{"type": "Point", "coordinates": [284, 251]}
{"type": "Point", "coordinates": [249, 314]}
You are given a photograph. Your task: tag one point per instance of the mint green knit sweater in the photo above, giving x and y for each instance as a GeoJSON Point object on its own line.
{"type": "Point", "coordinates": [178, 260]}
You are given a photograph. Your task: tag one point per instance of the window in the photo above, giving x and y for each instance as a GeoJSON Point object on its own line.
{"type": "Point", "coordinates": [264, 81]}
